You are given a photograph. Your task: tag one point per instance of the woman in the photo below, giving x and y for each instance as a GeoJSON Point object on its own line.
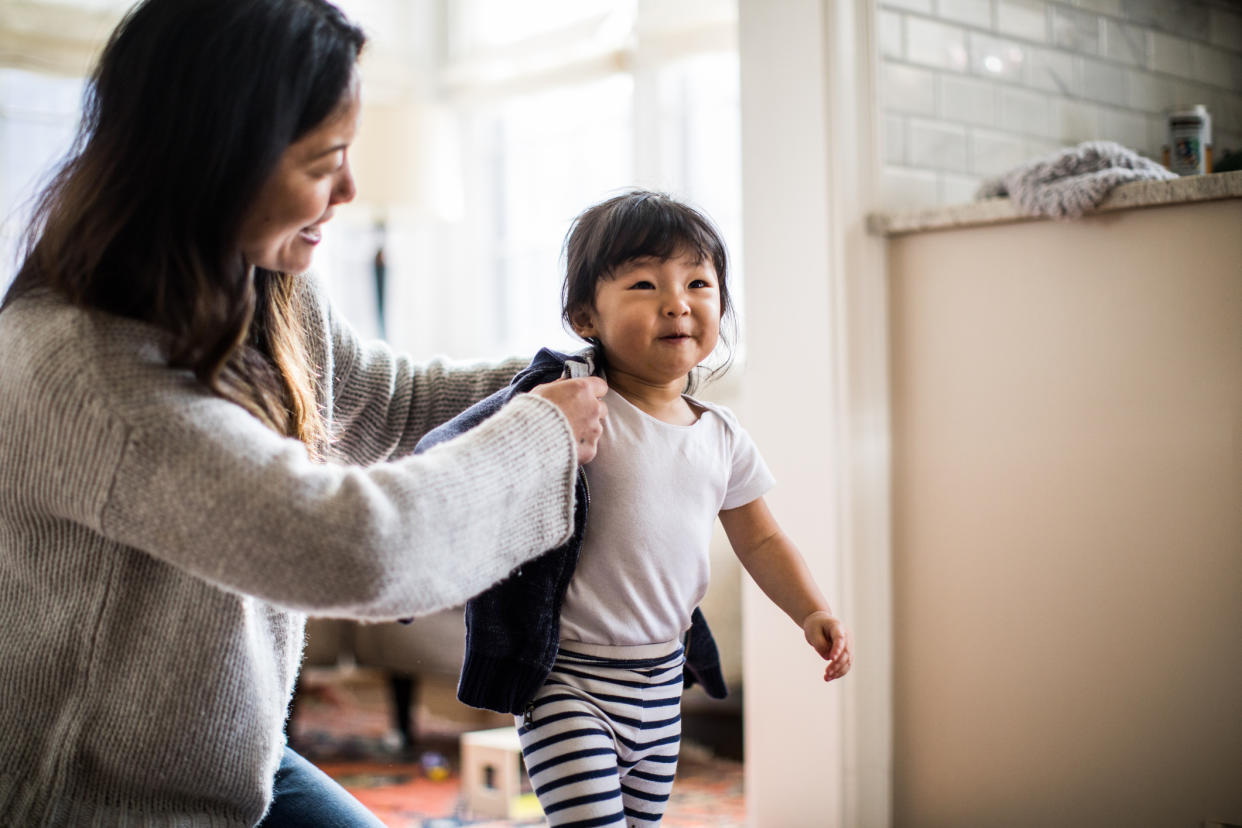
{"type": "Point", "coordinates": [197, 453]}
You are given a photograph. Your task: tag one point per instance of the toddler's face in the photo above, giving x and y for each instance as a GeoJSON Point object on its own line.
{"type": "Point", "coordinates": [656, 319]}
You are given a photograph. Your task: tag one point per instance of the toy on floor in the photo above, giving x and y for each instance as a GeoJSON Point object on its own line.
{"type": "Point", "coordinates": [435, 767]}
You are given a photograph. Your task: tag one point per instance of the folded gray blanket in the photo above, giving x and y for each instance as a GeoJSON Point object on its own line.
{"type": "Point", "coordinates": [1073, 181]}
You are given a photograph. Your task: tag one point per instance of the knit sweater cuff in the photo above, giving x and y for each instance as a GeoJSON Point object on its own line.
{"type": "Point", "coordinates": [571, 468]}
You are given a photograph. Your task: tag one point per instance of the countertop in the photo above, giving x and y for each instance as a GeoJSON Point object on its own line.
{"type": "Point", "coordinates": [997, 210]}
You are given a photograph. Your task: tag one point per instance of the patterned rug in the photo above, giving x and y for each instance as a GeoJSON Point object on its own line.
{"type": "Point", "coordinates": [343, 725]}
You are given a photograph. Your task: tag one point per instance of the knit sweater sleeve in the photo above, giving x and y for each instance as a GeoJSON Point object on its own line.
{"type": "Point", "coordinates": [198, 483]}
{"type": "Point", "coordinates": [210, 490]}
{"type": "Point", "coordinates": [379, 402]}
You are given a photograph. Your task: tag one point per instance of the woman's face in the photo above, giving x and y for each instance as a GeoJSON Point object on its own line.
{"type": "Point", "coordinates": [286, 220]}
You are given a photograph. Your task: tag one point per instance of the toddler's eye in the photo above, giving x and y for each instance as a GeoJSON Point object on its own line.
{"type": "Point", "coordinates": [642, 285]}
{"type": "Point", "coordinates": [699, 283]}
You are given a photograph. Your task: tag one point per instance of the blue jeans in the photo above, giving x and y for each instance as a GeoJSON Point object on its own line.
{"type": "Point", "coordinates": [306, 797]}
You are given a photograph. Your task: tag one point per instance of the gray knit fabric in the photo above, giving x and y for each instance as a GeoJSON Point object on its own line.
{"type": "Point", "coordinates": [1073, 181]}
{"type": "Point", "coordinates": [160, 548]}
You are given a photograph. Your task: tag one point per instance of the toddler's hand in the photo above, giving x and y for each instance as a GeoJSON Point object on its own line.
{"type": "Point", "coordinates": [580, 400]}
{"type": "Point", "coordinates": [830, 639]}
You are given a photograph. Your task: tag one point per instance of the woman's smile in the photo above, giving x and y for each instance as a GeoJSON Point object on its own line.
{"type": "Point", "coordinates": [312, 177]}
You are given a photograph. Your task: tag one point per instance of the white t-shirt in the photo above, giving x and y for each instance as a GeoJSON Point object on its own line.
{"type": "Point", "coordinates": [655, 490]}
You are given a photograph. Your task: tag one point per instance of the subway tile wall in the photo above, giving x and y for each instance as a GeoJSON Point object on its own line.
{"type": "Point", "coordinates": [971, 88]}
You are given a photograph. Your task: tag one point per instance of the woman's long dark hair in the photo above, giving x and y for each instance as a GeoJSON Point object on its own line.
{"type": "Point", "coordinates": [187, 113]}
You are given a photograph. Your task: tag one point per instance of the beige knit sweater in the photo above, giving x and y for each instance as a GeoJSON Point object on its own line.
{"type": "Point", "coordinates": [160, 548]}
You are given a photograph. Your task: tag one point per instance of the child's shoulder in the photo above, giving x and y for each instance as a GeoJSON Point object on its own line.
{"type": "Point", "coordinates": [721, 412]}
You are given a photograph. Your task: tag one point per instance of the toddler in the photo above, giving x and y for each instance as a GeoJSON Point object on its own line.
{"type": "Point", "coordinates": [590, 646]}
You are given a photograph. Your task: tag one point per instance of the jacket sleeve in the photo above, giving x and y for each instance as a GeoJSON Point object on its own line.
{"type": "Point", "coordinates": [703, 658]}
{"type": "Point", "coordinates": [512, 628]}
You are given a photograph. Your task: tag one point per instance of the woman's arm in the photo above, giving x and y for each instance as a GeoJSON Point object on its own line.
{"type": "Point", "coordinates": [380, 403]}
{"type": "Point", "coordinates": [778, 568]}
{"type": "Point", "coordinates": [104, 439]}
{"type": "Point", "coordinates": [202, 485]}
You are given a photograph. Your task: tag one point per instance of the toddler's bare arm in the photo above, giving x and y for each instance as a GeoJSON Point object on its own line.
{"type": "Point", "coordinates": [778, 568]}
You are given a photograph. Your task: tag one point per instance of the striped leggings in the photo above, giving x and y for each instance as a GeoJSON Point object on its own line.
{"type": "Point", "coordinates": [600, 741]}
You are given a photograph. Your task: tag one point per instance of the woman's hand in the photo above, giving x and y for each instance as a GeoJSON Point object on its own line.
{"type": "Point", "coordinates": [827, 635]}
{"type": "Point", "coordinates": [581, 401]}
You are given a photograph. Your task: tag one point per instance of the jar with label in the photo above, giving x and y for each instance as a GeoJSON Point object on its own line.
{"type": "Point", "coordinates": [1188, 148]}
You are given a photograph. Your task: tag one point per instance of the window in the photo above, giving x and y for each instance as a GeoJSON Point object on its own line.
{"type": "Point", "coordinates": [526, 114]}
{"type": "Point", "coordinates": [557, 105]}
{"type": "Point", "coordinates": [38, 117]}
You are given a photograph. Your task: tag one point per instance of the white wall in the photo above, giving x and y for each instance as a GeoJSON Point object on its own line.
{"type": "Point", "coordinates": [815, 400]}
{"type": "Point", "coordinates": [972, 88]}
{"type": "Point", "coordinates": [793, 724]}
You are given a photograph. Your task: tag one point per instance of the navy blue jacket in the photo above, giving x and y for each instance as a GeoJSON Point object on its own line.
{"type": "Point", "coordinates": [513, 629]}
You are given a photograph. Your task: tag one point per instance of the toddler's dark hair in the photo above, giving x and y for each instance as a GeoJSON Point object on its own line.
{"type": "Point", "coordinates": [641, 223]}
